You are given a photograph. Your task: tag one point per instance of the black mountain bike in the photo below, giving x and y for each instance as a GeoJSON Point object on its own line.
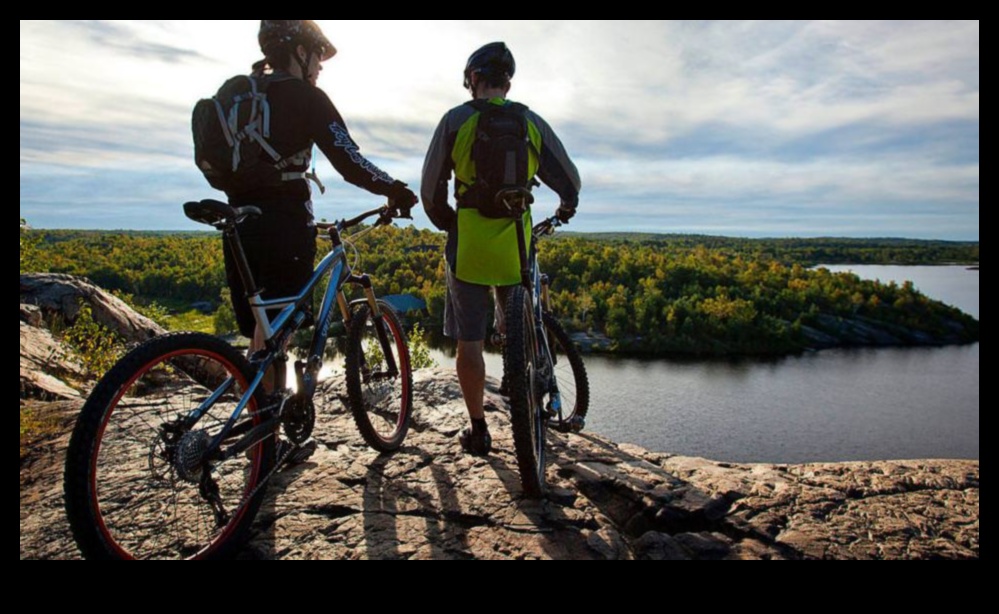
{"type": "Point", "coordinates": [547, 380]}
{"type": "Point", "coordinates": [171, 453]}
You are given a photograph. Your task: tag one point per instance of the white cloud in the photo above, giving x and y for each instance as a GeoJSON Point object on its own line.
{"type": "Point", "coordinates": [718, 111]}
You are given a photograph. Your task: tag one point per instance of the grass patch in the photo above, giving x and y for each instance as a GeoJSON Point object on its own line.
{"type": "Point", "coordinates": [192, 320]}
{"type": "Point", "coordinates": [35, 426]}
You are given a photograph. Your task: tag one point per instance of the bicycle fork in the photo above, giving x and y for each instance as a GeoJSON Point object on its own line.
{"type": "Point", "coordinates": [379, 323]}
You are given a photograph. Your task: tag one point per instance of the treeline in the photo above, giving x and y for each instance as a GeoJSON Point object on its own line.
{"type": "Point", "coordinates": [646, 293]}
{"type": "Point", "coordinates": [813, 252]}
{"type": "Point", "coordinates": [168, 267]}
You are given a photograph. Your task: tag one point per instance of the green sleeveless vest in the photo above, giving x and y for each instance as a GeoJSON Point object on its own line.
{"type": "Point", "coordinates": [487, 251]}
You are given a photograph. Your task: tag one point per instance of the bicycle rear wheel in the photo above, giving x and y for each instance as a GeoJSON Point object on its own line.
{"type": "Point", "coordinates": [381, 400]}
{"type": "Point", "coordinates": [521, 366]}
{"type": "Point", "coordinates": [137, 486]}
{"type": "Point", "coordinates": [570, 373]}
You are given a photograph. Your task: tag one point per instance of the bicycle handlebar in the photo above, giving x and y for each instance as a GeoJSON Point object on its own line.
{"type": "Point", "coordinates": [547, 227]}
{"type": "Point", "coordinates": [386, 214]}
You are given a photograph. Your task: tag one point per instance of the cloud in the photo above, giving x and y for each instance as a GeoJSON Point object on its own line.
{"type": "Point", "coordinates": [120, 38]}
{"type": "Point", "coordinates": [819, 126]}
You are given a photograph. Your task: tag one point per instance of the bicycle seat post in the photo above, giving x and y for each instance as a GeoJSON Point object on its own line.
{"type": "Point", "coordinates": [231, 237]}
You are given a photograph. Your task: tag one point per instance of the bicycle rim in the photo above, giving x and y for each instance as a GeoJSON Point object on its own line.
{"type": "Point", "coordinates": [570, 372]}
{"type": "Point", "coordinates": [381, 399]}
{"type": "Point", "coordinates": [144, 485]}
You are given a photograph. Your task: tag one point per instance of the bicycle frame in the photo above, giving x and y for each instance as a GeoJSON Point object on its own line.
{"type": "Point", "coordinates": [536, 285]}
{"type": "Point", "coordinates": [277, 333]}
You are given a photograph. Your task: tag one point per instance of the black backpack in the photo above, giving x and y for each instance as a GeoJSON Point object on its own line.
{"type": "Point", "coordinates": [501, 153]}
{"type": "Point", "coordinates": [230, 138]}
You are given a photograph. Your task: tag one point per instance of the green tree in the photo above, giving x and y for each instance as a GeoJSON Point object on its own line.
{"type": "Point", "coordinates": [29, 249]}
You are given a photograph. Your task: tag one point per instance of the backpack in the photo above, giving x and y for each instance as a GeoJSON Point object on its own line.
{"type": "Point", "coordinates": [501, 153]}
{"type": "Point", "coordinates": [230, 138]}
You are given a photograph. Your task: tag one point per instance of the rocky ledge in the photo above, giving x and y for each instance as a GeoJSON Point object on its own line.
{"type": "Point", "coordinates": [607, 500]}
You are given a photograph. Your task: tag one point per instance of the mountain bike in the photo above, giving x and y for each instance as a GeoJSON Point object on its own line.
{"type": "Point", "coordinates": [545, 375]}
{"type": "Point", "coordinates": [172, 451]}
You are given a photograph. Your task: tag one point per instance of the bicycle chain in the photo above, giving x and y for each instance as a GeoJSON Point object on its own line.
{"type": "Point", "coordinates": [277, 466]}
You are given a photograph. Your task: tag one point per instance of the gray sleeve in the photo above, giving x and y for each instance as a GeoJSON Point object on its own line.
{"type": "Point", "coordinates": [556, 170]}
{"type": "Point", "coordinates": [436, 175]}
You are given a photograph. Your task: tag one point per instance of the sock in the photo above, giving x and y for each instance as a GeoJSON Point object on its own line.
{"type": "Point", "coordinates": [479, 426]}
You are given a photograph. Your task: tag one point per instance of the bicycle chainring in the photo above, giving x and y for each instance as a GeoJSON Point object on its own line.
{"type": "Point", "coordinates": [298, 419]}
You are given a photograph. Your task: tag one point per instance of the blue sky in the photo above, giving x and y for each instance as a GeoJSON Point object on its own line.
{"type": "Point", "coordinates": [760, 128]}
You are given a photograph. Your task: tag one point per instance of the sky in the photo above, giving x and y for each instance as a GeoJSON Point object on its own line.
{"type": "Point", "coordinates": [736, 128]}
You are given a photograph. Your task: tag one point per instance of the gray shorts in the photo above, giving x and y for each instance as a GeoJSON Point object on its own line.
{"type": "Point", "coordinates": [466, 310]}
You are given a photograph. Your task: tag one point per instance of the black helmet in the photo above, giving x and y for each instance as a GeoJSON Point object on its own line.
{"type": "Point", "coordinates": [305, 32]}
{"type": "Point", "coordinates": [492, 60]}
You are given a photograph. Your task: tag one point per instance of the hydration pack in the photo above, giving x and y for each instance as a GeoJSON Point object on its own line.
{"type": "Point", "coordinates": [231, 132]}
{"type": "Point", "coordinates": [501, 153]}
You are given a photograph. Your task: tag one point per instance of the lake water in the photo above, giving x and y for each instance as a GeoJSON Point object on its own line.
{"type": "Point", "coordinates": [834, 405]}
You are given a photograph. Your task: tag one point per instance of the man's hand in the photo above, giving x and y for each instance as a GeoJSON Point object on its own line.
{"type": "Point", "coordinates": [402, 200]}
{"type": "Point", "coordinates": [564, 214]}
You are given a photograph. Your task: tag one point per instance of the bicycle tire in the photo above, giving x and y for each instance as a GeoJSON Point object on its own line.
{"type": "Point", "coordinates": [570, 372]}
{"type": "Point", "coordinates": [526, 409]}
{"type": "Point", "coordinates": [382, 404]}
{"type": "Point", "coordinates": [125, 493]}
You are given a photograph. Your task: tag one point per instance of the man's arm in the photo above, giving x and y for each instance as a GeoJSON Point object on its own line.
{"type": "Point", "coordinates": [436, 174]}
{"type": "Point", "coordinates": [334, 140]}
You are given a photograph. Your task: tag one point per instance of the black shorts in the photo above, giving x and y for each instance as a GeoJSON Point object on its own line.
{"type": "Point", "coordinates": [280, 248]}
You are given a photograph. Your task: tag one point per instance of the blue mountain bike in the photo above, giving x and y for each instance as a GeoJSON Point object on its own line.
{"type": "Point", "coordinates": [171, 453]}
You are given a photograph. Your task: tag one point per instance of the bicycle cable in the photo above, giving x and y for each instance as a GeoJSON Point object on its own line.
{"type": "Point", "coordinates": [349, 240]}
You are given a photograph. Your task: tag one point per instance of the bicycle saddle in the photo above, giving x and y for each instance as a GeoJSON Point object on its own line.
{"type": "Point", "coordinates": [216, 213]}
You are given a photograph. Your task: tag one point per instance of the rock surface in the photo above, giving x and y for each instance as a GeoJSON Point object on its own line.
{"type": "Point", "coordinates": [51, 295]}
{"type": "Point", "coordinates": [607, 501]}
{"type": "Point", "coordinates": [48, 371]}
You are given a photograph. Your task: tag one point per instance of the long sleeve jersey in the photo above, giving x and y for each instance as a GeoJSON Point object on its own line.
{"type": "Point", "coordinates": [555, 169]}
{"type": "Point", "coordinates": [303, 115]}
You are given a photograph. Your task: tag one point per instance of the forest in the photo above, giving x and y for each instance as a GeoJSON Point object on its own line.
{"type": "Point", "coordinates": [646, 294]}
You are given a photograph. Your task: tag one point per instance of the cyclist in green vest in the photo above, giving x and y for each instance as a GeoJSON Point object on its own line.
{"type": "Point", "coordinates": [482, 252]}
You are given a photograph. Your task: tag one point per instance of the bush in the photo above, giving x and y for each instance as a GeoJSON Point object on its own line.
{"type": "Point", "coordinates": [97, 348]}
{"type": "Point", "coordinates": [225, 317]}
{"type": "Point", "coordinates": [419, 349]}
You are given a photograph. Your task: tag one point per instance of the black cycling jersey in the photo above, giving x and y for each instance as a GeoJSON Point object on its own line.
{"type": "Point", "coordinates": [280, 245]}
{"type": "Point", "coordinates": [302, 114]}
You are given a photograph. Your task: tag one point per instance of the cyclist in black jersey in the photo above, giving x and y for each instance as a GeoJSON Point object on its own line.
{"type": "Point", "coordinates": [280, 245]}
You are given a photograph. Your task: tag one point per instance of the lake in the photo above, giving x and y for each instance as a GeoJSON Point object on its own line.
{"type": "Point", "coordinates": [833, 405]}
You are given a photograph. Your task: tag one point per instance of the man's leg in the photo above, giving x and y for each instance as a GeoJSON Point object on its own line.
{"type": "Point", "coordinates": [472, 377]}
{"type": "Point", "coordinates": [465, 321]}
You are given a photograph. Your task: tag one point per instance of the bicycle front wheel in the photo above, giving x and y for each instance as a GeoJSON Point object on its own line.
{"type": "Point", "coordinates": [379, 377]}
{"type": "Point", "coordinates": [570, 373]}
{"type": "Point", "coordinates": [521, 366]}
{"type": "Point", "coordinates": [140, 486]}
